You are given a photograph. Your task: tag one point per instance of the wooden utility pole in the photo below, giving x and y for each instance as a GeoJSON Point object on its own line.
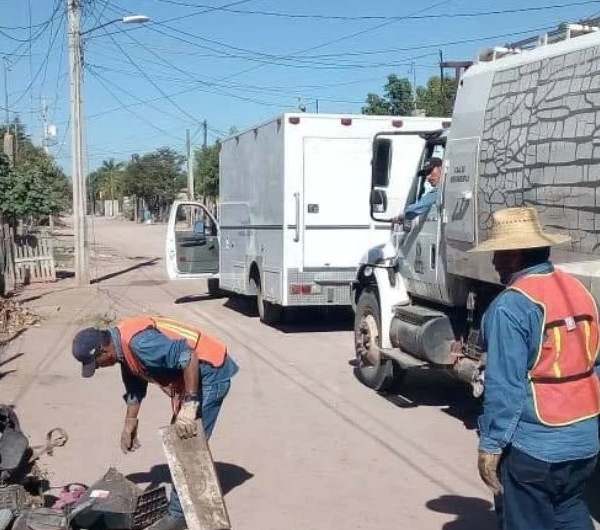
{"type": "Point", "coordinates": [82, 273]}
{"type": "Point", "coordinates": [190, 165]}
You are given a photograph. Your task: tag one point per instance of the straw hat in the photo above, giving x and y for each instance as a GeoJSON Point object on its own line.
{"type": "Point", "coordinates": [518, 228]}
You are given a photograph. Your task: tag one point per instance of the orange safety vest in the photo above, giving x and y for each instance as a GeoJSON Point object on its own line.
{"type": "Point", "coordinates": [207, 348]}
{"type": "Point", "coordinates": [565, 386]}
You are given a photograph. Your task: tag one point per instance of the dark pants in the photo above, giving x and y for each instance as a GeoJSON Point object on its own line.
{"type": "Point", "coordinates": [543, 496]}
{"type": "Point", "coordinates": [212, 399]}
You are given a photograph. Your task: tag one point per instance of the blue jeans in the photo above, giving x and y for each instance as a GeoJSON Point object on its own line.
{"type": "Point", "coordinates": [543, 496]}
{"type": "Point", "coordinates": [212, 399]}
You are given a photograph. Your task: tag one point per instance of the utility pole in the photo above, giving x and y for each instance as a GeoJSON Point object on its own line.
{"type": "Point", "coordinates": [205, 134]}
{"type": "Point", "coordinates": [190, 164]}
{"type": "Point", "coordinates": [9, 141]}
{"type": "Point", "coordinates": [45, 138]}
{"type": "Point", "coordinates": [82, 273]}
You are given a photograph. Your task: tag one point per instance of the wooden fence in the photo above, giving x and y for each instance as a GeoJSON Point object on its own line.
{"type": "Point", "coordinates": [25, 259]}
{"type": "Point", "coordinates": [33, 259]}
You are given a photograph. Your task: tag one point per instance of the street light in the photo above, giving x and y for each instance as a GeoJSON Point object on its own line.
{"type": "Point", "coordinates": [82, 273]}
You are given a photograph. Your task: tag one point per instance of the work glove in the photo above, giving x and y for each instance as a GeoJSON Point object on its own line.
{"type": "Point", "coordinates": [129, 439]}
{"type": "Point", "coordinates": [185, 423]}
{"type": "Point", "coordinates": [488, 471]}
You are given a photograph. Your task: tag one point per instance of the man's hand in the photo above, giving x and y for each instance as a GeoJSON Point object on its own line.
{"type": "Point", "coordinates": [129, 439]}
{"type": "Point", "coordinates": [185, 423]}
{"type": "Point", "coordinates": [488, 471]}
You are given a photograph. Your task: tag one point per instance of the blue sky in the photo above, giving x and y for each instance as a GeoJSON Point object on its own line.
{"type": "Point", "coordinates": [145, 85]}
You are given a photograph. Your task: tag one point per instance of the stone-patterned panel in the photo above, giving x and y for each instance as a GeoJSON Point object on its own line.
{"type": "Point", "coordinates": [541, 145]}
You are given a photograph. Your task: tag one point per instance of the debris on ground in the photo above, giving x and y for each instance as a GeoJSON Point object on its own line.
{"type": "Point", "coordinates": [22, 483]}
{"type": "Point", "coordinates": [117, 503]}
{"type": "Point", "coordinates": [15, 318]}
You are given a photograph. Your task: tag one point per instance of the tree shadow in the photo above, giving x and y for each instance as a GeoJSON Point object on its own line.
{"type": "Point", "coordinates": [471, 512]}
{"type": "Point", "coordinates": [230, 476]}
{"type": "Point", "coordinates": [435, 388]}
{"type": "Point", "coordinates": [149, 263]}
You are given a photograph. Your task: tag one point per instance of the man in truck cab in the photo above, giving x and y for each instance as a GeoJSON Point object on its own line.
{"type": "Point", "coordinates": [433, 172]}
{"type": "Point", "coordinates": [539, 427]}
{"type": "Point", "coordinates": [190, 366]}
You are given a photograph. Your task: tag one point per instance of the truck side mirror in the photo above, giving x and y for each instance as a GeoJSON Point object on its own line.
{"type": "Point", "coordinates": [378, 201]}
{"type": "Point", "coordinates": [380, 165]}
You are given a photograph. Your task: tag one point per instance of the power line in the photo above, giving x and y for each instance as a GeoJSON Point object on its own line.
{"type": "Point", "coordinates": [155, 85]}
{"type": "Point", "coordinates": [39, 71]}
{"type": "Point", "coordinates": [264, 58]}
{"type": "Point", "coordinates": [306, 16]}
{"type": "Point", "coordinates": [127, 108]}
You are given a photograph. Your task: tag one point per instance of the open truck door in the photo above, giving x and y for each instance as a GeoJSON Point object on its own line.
{"type": "Point", "coordinates": [192, 247]}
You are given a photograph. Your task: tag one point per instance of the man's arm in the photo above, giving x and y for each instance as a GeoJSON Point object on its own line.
{"type": "Point", "coordinates": [422, 206]}
{"type": "Point", "coordinates": [135, 389]}
{"type": "Point", "coordinates": [507, 343]}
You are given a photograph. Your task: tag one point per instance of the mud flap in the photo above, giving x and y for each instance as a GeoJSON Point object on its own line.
{"type": "Point", "coordinates": [195, 479]}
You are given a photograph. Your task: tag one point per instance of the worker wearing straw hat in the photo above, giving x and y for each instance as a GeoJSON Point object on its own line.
{"type": "Point", "coordinates": [539, 426]}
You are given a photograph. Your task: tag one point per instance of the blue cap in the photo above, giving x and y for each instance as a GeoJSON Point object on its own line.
{"type": "Point", "coordinates": [86, 346]}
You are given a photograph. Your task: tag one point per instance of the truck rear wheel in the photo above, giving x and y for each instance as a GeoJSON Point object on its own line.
{"type": "Point", "coordinates": [371, 368]}
{"type": "Point", "coordinates": [268, 313]}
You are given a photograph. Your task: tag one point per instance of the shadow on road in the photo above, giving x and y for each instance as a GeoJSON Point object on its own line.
{"type": "Point", "coordinates": [11, 358]}
{"type": "Point", "coordinates": [148, 263]}
{"type": "Point", "coordinates": [592, 496]}
{"type": "Point", "coordinates": [230, 476]}
{"type": "Point", "coordinates": [431, 388]}
{"type": "Point", "coordinates": [299, 319]}
{"type": "Point", "coordinates": [470, 512]}
{"type": "Point", "coordinates": [189, 299]}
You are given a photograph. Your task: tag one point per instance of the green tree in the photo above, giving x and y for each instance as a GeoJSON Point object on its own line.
{"type": "Point", "coordinates": [206, 171]}
{"type": "Point", "coordinates": [155, 177]}
{"type": "Point", "coordinates": [36, 187]}
{"type": "Point", "coordinates": [397, 99]}
{"type": "Point", "coordinates": [435, 100]}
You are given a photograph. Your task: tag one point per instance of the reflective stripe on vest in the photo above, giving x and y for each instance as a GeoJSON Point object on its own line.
{"type": "Point", "coordinates": [207, 348]}
{"type": "Point", "coordinates": [565, 386]}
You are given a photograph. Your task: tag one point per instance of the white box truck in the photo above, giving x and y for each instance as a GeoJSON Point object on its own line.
{"type": "Point", "coordinates": [293, 213]}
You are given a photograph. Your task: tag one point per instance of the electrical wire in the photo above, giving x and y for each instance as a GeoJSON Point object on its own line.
{"type": "Point", "coordinates": [127, 108]}
{"type": "Point", "coordinates": [152, 82]}
{"type": "Point", "coordinates": [305, 16]}
{"type": "Point", "coordinates": [39, 71]}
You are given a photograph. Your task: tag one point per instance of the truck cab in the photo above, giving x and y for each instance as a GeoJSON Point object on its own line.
{"type": "Point", "coordinates": [523, 134]}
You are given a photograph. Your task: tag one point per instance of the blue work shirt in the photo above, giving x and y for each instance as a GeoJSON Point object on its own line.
{"type": "Point", "coordinates": [164, 359]}
{"type": "Point", "coordinates": [512, 327]}
{"type": "Point", "coordinates": [422, 206]}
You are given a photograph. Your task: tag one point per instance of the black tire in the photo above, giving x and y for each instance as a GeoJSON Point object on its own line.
{"type": "Point", "coordinates": [213, 288]}
{"type": "Point", "coordinates": [268, 313]}
{"type": "Point", "coordinates": [380, 374]}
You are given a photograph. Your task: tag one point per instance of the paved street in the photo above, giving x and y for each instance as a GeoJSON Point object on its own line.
{"type": "Point", "coordinates": [300, 443]}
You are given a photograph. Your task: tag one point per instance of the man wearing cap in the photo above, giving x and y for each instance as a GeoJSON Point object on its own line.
{"type": "Point", "coordinates": [433, 170]}
{"type": "Point", "coordinates": [539, 427]}
{"type": "Point", "coordinates": [189, 365]}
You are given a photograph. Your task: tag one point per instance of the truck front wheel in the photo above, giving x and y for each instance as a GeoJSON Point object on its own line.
{"type": "Point", "coordinates": [371, 368]}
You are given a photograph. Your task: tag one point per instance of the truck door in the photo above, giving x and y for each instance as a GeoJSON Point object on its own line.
{"type": "Point", "coordinates": [192, 246]}
{"type": "Point", "coordinates": [460, 186]}
{"type": "Point", "coordinates": [336, 212]}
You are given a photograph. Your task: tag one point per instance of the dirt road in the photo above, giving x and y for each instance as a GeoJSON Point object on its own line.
{"type": "Point", "coordinates": [300, 444]}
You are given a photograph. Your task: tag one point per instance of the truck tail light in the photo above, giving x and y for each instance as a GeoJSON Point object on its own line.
{"type": "Point", "coordinates": [397, 123]}
{"type": "Point", "coordinates": [294, 120]}
{"type": "Point", "coordinates": [300, 288]}
{"type": "Point", "coordinates": [346, 121]}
